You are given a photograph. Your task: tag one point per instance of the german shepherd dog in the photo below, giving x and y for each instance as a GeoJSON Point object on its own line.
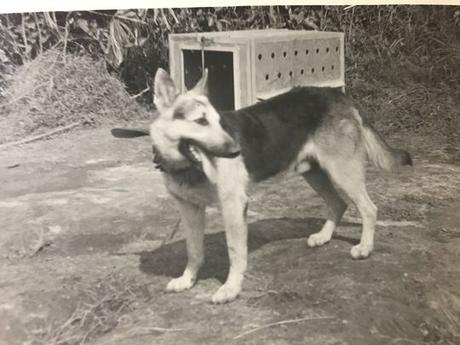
{"type": "Point", "coordinates": [208, 156]}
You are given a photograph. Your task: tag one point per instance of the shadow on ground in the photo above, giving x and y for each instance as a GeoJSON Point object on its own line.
{"type": "Point", "coordinates": [170, 259]}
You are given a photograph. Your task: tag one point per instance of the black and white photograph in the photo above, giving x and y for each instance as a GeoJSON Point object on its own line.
{"type": "Point", "coordinates": [282, 174]}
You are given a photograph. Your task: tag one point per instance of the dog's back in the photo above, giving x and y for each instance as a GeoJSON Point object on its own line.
{"type": "Point", "coordinates": [272, 133]}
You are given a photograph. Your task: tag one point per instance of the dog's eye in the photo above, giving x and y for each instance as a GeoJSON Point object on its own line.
{"type": "Point", "coordinates": [179, 115]}
{"type": "Point", "coordinates": [202, 121]}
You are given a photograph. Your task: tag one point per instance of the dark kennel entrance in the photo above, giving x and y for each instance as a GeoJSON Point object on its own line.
{"type": "Point", "coordinates": [220, 76]}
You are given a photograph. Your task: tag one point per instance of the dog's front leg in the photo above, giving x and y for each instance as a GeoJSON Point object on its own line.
{"type": "Point", "coordinates": [234, 206]}
{"type": "Point", "coordinates": [193, 219]}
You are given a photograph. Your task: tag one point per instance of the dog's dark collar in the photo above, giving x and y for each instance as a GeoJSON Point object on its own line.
{"type": "Point", "coordinates": [157, 161]}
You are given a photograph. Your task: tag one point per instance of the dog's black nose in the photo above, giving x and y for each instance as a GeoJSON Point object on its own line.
{"type": "Point", "coordinates": [233, 154]}
{"type": "Point", "coordinates": [232, 150]}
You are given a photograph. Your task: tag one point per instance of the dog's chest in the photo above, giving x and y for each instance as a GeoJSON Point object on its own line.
{"type": "Point", "coordinates": [201, 193]}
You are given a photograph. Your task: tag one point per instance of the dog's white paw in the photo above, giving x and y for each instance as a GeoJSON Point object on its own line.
{"type": "Point", "coordinates": [225, 294]}
{"type": "Point", "coordinates": [180, 284]}
{"type": "Point", "coordinates": [361, 251]}
{"type": "Point", "coordinates": [318, 239]}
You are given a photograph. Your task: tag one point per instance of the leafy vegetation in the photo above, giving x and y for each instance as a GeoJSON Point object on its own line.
{"type": "Point", "coordinates": [402, 61]}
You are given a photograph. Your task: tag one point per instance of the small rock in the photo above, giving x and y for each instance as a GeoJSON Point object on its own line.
{"type": "Point", "coordinates": [54, 229]}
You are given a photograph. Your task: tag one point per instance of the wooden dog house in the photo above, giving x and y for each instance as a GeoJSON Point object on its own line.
{"type": "Point", "coordinates": [246, 66]}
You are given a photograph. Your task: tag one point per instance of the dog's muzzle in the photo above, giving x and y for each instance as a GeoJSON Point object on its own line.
{"type": "Point", "coordinates": [193, 153]}
{"type": "Point", "coordinates": [191, 150]}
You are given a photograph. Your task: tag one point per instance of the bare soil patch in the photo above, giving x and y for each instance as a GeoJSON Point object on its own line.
{"type": "Point", "coordinates": [103, 211]}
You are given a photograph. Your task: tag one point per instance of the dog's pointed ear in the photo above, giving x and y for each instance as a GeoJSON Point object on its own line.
{"type": "Point", "coordinates": [202, 86]}
{"type": "Point", "coordinates": [165, 91]}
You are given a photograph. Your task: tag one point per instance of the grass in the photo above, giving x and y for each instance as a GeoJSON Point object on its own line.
{"type": "Point", "coordinates": [103, 309]}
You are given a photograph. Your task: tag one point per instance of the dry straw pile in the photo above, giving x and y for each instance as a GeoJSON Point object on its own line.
{"type": "Point", "coordinates": [53, 90]}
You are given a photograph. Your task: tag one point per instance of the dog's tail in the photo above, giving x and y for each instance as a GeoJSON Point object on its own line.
{"type": "Point", "coordinates": [380, 153]}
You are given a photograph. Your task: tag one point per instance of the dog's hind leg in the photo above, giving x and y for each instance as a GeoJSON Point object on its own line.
{"type": "Point", "coordinates": [320, 182]}
{"type": "Point", "coordinates": [193, 219]}
{"type": "Point", "coordinates": [349, 176]}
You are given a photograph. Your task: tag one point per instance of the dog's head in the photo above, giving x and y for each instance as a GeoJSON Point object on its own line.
{"type": "Point", "coordinates": [187, 129]}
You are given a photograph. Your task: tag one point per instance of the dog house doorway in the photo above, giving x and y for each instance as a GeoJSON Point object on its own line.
{"type": "Point", "coordinates": [220, 75]}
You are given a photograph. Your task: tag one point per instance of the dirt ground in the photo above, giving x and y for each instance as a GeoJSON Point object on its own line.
{"type": "Point", "coordinates": [85, 255]}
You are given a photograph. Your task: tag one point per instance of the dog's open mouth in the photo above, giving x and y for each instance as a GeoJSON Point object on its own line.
{"type": "Point", "coordinates": [191, 152]}
{"type": "Point", "coordinates": [194, 152]}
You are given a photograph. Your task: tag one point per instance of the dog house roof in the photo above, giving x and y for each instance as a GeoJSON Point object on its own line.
{"type": "Point", "coordinates": [244, 36]}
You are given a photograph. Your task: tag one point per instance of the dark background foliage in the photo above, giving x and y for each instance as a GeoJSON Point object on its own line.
{"type": "Point", "coordinates": [399, 59]}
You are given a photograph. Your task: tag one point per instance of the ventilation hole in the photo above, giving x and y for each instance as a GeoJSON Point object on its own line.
{"type": "Point", "coordinates": [322, 68]}
{"type": "Point", "coordinates": [279, 75]}
{"type": "Point", "coordinates": [306, 52]}
{"type": "Point", "coordinates": [296, 52]}
{"type": "Point", "coordinates": [332, 67]}
{"type": "Point", "coordinates": [336, 49]}
{"type": "Point", "coordinates": [266, 76]}
{"type": "Point", "coordinates": [284, 54]}
{"type": "Point", "coordinates": [302, 71]}
{"type": "Point", "coordinates": [290, 73]}
{"type": "Point", "coordinates": [317, 50]}
{"type": "Point", "coordinates": [260, 56]}
{"type": "Point", "coordinates": [273, 55]}
{"type": "Point", "coordinates": [312, 70]}
{"type": "Point", "coordinates": [327, 50]}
